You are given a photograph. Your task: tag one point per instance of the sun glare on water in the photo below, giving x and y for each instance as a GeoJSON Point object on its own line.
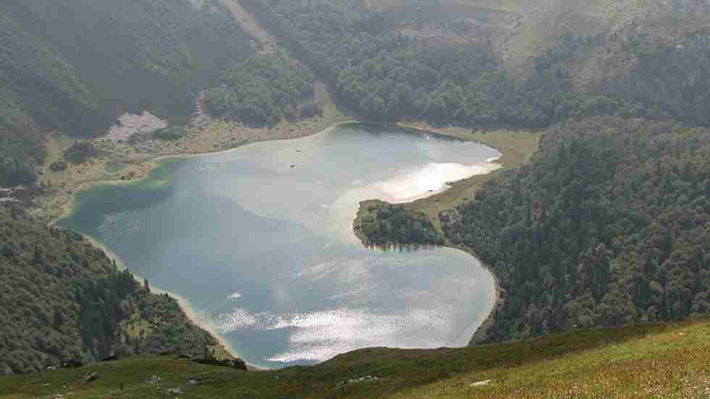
{"type": "Point", "coordinates": [429, 179]}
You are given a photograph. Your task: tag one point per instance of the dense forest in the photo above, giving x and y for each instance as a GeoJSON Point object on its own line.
{"type": "Point", "coordinates": [381, 74]}
{"type": "Point", "coordinates": [608, 225]}
{"type": "Point", "coordinates": [76, 67]}
{"type": "Point", "coordinates": [262, 90]}
{"type": "Point", "coordinates": [381, 224]}
{"type": "Point", "coordinates": [61, 298]}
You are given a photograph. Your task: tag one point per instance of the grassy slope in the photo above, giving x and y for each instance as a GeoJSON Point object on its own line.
{"type": "Point", "coordinates": [665, 360]}
{"type": "Point", "coordinates": [523, 29]}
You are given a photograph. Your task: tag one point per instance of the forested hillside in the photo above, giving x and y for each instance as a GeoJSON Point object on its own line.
{"type": "Point", "coordinates": [381, 74]}
{"type": "Point", "coordinates": [61, 298]}
{"type": "Point", "coordinates": [608, 225]}
{"type": "Point", "coordinates": [76, 66]}
{"type": "Point", "coordinates": [263, 90]}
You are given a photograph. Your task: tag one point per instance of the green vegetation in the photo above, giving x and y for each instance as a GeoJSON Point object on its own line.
{"type": "Point", "coordinates": [62, 298]}
{"type": "Point", "coordinates": [58, 74]}
{"type": "Point", "coordinates": [144, 55]}
{"type": "Point", "coordinates": [607, 225]}
{"type": "Point", "coordinates": [674, 76]}
{"type": "Point", "coordinates": [382, 75]}
{"type": "Point", "coordinates": [383, 225]}
{"type": "Point", "coordinates": [171, 133]}
{"type": "Point", "coordinates": [664, 361]}
{"type": "Point", "coordinates": [80, 153]}
{"type": "Point", "coordinates": [261, 91]}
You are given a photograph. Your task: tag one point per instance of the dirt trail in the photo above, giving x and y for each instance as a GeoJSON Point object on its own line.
{"type": "Point", "coordinates": [265, 43]}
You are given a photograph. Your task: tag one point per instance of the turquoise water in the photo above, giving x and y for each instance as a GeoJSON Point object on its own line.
{"type": "Point", "coordinates": [259, 240]}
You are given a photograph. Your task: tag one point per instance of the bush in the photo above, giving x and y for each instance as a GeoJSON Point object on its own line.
{"type": "Point", "coordinates": [58, 166]}
{"type": "Point", "coordinates": [171, 133]}
{"type": "Point", "coordinates": [80, 153]}
{"type": "Point", "coordinates": [310, 110]}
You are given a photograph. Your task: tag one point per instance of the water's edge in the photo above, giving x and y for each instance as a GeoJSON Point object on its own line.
{"type": "Point", "coordinates": [193, 314]}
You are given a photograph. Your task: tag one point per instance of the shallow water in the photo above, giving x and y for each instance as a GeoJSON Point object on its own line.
{"type": "Point", "coordinates": [260, 241]}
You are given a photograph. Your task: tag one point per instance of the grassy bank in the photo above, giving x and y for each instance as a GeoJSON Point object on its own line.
{"type": "Point", "coordinates": [664, 361]}
{"type": "Point", "coordinates": [516, 148]}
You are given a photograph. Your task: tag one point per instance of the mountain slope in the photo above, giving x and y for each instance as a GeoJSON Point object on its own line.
{"type": "Point", "coordinates": [607, 225]}
{"type": "Point", "coordinates": [398, 66]}
{"type": "Point", "coordinates": [76, 67]}
{"type": "Point", "coordinates": [653, 361]}
{"type": "Point", "coordinates": [61, 298]}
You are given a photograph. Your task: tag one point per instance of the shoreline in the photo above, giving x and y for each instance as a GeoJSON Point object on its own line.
{"type": "Point", "coordinates": [513, 154]}
{"type": "Point", "coordinates": [150, 163]}
{"type": "Point", "coordinates": [495, 298]}
{"type": "Point", "coordinates": [190, 312]}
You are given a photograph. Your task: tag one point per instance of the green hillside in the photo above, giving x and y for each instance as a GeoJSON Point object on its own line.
{"type": "Point", "coordinates": [76, 67]}
{"type": "Point", "coordinates": [137, 55]}
{"type": "Point", "coordinates": [61, 298]}
{"type": "Point", "coordinates": [652, 361]}
{"type": "Point", "coordinates": [380, 72]}
{"type": "Point", "coordinates": [605, 226]}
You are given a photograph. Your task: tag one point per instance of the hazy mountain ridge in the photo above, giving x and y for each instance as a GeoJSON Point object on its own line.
{"type": "Point", "coordinates": [382, 71]}
{"type": "Point", "coordinates": [522, 30]}
{"type": "Point", "coordinates": [77, 78]}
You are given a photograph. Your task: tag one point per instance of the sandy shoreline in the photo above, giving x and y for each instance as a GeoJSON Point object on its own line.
{"type": "Point", "coordinates": [67, 184]}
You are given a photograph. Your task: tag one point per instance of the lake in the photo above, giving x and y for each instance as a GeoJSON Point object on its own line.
{"type": "Point", "coordinates": [259, 240]}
